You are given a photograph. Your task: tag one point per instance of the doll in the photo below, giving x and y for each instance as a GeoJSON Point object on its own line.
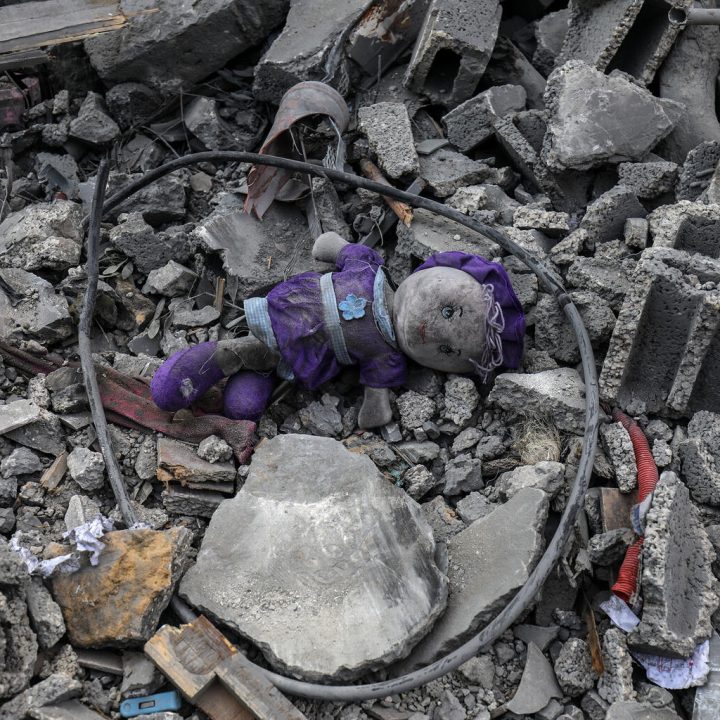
{"type": "Point", "coordinates": [456, 313]}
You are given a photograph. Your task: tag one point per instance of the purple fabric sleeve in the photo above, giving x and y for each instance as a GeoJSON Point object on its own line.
{"type": "Point", "coordinates": [358, 257]}
{"type": "Point", "coordinates": [487, 272]}
{"type": "Point", "coordinates": [185, 377]}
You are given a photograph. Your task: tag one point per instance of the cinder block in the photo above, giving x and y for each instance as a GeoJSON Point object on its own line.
{"type": "Point", "coordinates": [453, 49]}
{"type": "Point", "coordinates": [629, 35]}
{"type": "Point", "coordinates": [664, 354]}
{"type": "Point", "coordinates": [690, 226]}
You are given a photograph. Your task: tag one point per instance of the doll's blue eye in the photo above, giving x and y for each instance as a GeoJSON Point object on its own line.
{"type": "Point", "coordinates": [449, 310]}
{"type": "Point", "coordinates": [447, 350]}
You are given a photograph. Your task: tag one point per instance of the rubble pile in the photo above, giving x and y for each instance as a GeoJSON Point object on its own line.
{"type": "Point", "coordinates": [587, 133]}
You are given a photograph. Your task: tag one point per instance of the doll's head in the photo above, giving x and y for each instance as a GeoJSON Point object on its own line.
{"type": "Point", "coordinates": [458, 313]}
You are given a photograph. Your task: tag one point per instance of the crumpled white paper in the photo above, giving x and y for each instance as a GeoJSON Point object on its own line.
{"type": "Point", "coordinates": [85, 537]}
{"type": "Point", "coordinates": [670, 673]}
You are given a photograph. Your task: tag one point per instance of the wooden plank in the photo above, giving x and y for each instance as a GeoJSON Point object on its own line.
{"type": "Point", "coordinates": [49, 22]}
{"type": "Point", "coordinates": [254, 692]}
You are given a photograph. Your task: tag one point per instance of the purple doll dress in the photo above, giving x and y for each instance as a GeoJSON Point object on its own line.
{"type": "Point", "coordinates": [317, 323]}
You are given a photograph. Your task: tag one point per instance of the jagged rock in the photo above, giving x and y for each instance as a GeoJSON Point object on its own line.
{"type": "Point", "coordinates": [418, 481]}
{"type": "Point", "coordinates": [93, 125]}
{"type": "Point", "coordinates": [45, 614]}
{"type": "Point", "coordinates": [313, 542]}
{"type": "Point", "coordinates": [538, 684]}
{"type": "Point", "coordinates": [55, 688]}
{"type": "Point", "coordinates": [596, 118]}
{"type": "Point", "coordinates": [461, 399]}
{"type": "Point", "coordinates": [547, 476]}
{"type": "Point", "coordinates": [609, 547]}
{"type": "Point", "coordinates": [481, 583]}
{"type": "Point", "coordinates": [214, 449]}
{"type": "Point", "coordinates": [118, 602]}
{"type": "Point", "coordinates": [462, 474]}
{"type": "Point", "coordinates": [202, 119]}
{"type": "Point", "coordinates": [700, 456]}
{"type": "Point", "coordinates": [415, 409]}
{"type": "Point", "coordinates": [619, 450]}
{"type": "Point", "coordinates": [677, 581]}
{"type": "Point", "coordinates": [616, 682]}
{"type": "Point", "coordinates": [389, 134]}
{"type": "Point", "coordinates": [171, 280]}
{"type": "Point", "coordinates": [20, 461]}
{"type": "Point", "coordinates": [162, 201]}
{"type": "Point", "coordinates": [87, 468]}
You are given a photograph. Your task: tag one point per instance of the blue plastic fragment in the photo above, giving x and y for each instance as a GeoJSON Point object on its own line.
{"type": "Point", "coordinates": [160, 702]}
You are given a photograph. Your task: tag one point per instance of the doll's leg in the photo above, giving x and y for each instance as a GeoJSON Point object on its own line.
{"type": "Point", "coordinates": [188, 374]}
{"type": "Point", "coordinates": [247, 394]}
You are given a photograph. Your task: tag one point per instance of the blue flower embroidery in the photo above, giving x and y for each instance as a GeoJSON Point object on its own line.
{"type": "Point", "coordinates": [353, 307]}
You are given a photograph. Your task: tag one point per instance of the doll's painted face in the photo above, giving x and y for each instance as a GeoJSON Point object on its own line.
{"type": "Point", "coordinates": [439, 317]}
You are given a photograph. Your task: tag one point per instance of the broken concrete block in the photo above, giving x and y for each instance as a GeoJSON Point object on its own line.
{"type": "Point", "coordinates": [270, 250]}
{"type": "Point", "coordinates": [471, 122]}
{"type": "Point", "coordinates": [550, 32]}
{"type": "Point", "coordinates": [462, 474]}
{"type": "Point", "coordinates": [305, 48]}
{"type": "Point", "coordinates": [630, 36]}
{"type": "Point", "coordinates": [453, 49]}
{"type": "Point", "coordinates": [214, 449]}
{"type": "Point", "coordinates": [678, 585]}
{"type": "Point", "coordinates": [415, 409]}
{"type": "Point", "coordinates": [160, 48]}
{"type": "Point", "coordinates": [161, 202]}
{"type": "Point", "coordinates": [553, 333]}
{"type": "Point", "coordinates": [30, 307]}
{"type": "Point", "coordinates": [81, 510]}
{"type": "Point", "coordinates": [461, 400]}
{"type": "Point", "coordinates": [547, 476]}
{"type": "Point", "coordinates": [686, 225]}
{"type": "Point", "coordinates": [509, 65]}
{"type": "Point", "coordinates": [45, 434]}
{"type": "Point", "coordinates": [700, 457]}
{"type": "Point", "coordinates": [93, 125]}
{"type": "Point", "coordinates": [118, 602]}
{"type": "Point", "coordinates": [538, 684]}
{"type": "Point", "coordinates": [471, 198]}
{"type": "Point", "coordinates": [648, 179]}
{"type": "Point", "coordinates": [616, 682]}
{"type": "Point", "coordinates": [202, 119]}
{"type": "Point", "coordinates": [635, 233]}
{"type": "Point", "coordinates": [446, 170]}
{"type": "Point", "coordinates": [607, 278]}
{"type": "Point", "coordinates": [16, 414]}
{"type": "Point", "coordinates": [573, 668]}
{"type": "Point", "coordinates": [387, 128]}
{"type": "Point", "coordinates": [609, 548]}
{"type": "Point", "coordinates": [45, 614]}
{"type": "Point", "coordinates": [281, 537]}
{"type": "Point", "coordinates": [54, 688]}
{"type": "Point", "coordinates": [555, 393]}
{"type": "Point", "coordinates": [595, 118]}
{"type": "Point", "coordinates": [179, 462]}
{"type": "Point", "coordinates": [86, 468]}
{"type": "Point", "coordinates": [17, 638]}
{"type": "Point", "coordinates": [171, 280]}
{"type": "Point", "coordinates": [184, 501]}
{"type": "Point", "coordinates": [698, 174]}
{"type": "Point", "coordinates": [662, 354]}
{"type": "Point", "coordinates": [619, 450]}
{"type": "Point", "coordinates": [549, 222]}
{"type": "Point", "coordinates": [512, 541]}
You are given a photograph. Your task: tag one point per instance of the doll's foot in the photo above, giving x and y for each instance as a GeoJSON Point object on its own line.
{"type": "Point", "coordinates": [247, 394]}
{"type": "Point", "coordinates": [186, 376]}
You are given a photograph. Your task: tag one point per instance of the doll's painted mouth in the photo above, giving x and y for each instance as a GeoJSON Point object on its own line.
{"type": "Point", "coordinates": [421, 331]}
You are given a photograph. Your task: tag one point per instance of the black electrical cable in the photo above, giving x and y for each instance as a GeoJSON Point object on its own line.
{"type": "Point", "coordinates": [88, 368]}
{"type": "Point", "coordinates": [556, 547]}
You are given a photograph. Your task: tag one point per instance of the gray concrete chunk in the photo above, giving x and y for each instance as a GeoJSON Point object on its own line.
{"type": "Point", "coordinates": [320, 561]}
{"type": "Point", "coordinates": [700, 457]}
{"type": "Point", "coordinates": [482, 581]}
{"type": "Point", "coordinates": [538, 684]}
{"type": "Point", "coordinates": [16, 414]}
{"type": "Point", "coordinates": [678, 585]}
{"type": "Point", "coordinates": [597, 118]}
{"type": "Point", "coordinates": [387, 128]}
{"type": "Point", "coordinates": [690, 226]}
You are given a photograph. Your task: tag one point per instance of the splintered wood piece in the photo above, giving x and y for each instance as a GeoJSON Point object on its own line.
{"type": "Point", "coordinates": [54, 474]}
{"type": "Point", "coordinates": [372, 172]}
{"type": "Point", "coordinates": [255, 692]}
{"type": "Point", "coordinates": [188, 655]}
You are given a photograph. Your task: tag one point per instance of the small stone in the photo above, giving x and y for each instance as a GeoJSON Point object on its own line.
{"type": "Point", "coordinates": [473, 507]}
{"type": "Point", "coordinates": [662, 453]}
{"type": "Point", "coordinates": [479, 670]}
{"type": "Point", "coordinates": [146, 460]}
{"type": "Point", "coordinates": [140, 676]}
{"type": "Point", "coordinates": [547, 476]}
{"type": "Point", "coordinates": [391, 433]}
{"type": "Point", "coordinates": [619, 449]}
{"type": "Point", "coordinates": [418, 481]}
{"type": "Point", "coordinates": [171, 280]}
{"type": "Point", "coordinates": [609, 547]}
{"type": "Point", "coordinates": [214, 449]}
{"type": "Point", "coordinates": [442, 519]}
{"type": "Point", "coordinates": [179, 462]}
{"type": "Point", "coordinates": [635, 233]}
{"type": "Point", "coordinates": [86, 468]}
{"type": "Point", "coordinates": [461, 400]}
{"type": "Point", "coordinates": [594, 706]}
{"type": "Point", "coordinates": [119, 601]}
{"type": "Point", "coordinates": [45, 614]}
{"type": "Point", "coordinates": [466, 439]}
{"type": "Point", "coordinates": [93, 125]}
{"type": "Point", "coordinates": [202, 119]}
{"type": "Point", "coordinates": [462, 474]}
{"type": "Point", "coordinates": [573, 668]}
{"type": "Point", "coordinates": [418, 452]}
{"type": "Point", "coordinates": [20, 461]}
{"type": "Point", "coordinates": [81, 510]}
{"type": "Point", "coordinates": [415, 409]}
{"type": "Point", "coordinates": [322, 418]}
{"type": "Point", "coordinates": [446, 170]}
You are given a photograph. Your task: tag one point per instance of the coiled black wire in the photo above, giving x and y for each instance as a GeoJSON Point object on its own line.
{"type": "Point", "coordinates": [556, 547]}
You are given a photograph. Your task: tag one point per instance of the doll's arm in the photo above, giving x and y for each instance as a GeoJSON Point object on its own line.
{"type": "Point", "coordinates": [375, 410]}
{"type": "Point", "coordinates": [327, 247]}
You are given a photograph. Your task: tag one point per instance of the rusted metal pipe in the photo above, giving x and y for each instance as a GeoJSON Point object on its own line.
{"type": "Point", "coordinates": [694, 16]}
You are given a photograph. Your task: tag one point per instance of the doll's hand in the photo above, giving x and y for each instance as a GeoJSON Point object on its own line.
{"type": "Point", "coordinates": [327, 247]}
{"type": "Point", "coordinates": [375, 410]}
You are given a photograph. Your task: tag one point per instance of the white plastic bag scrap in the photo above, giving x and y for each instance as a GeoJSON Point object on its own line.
{"type": "Point", "coordinates": [86, 537]}
{"type": "Point", "coordinates": [44, 568]}
{"type": "Point", "coordinates": [670, 673]}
